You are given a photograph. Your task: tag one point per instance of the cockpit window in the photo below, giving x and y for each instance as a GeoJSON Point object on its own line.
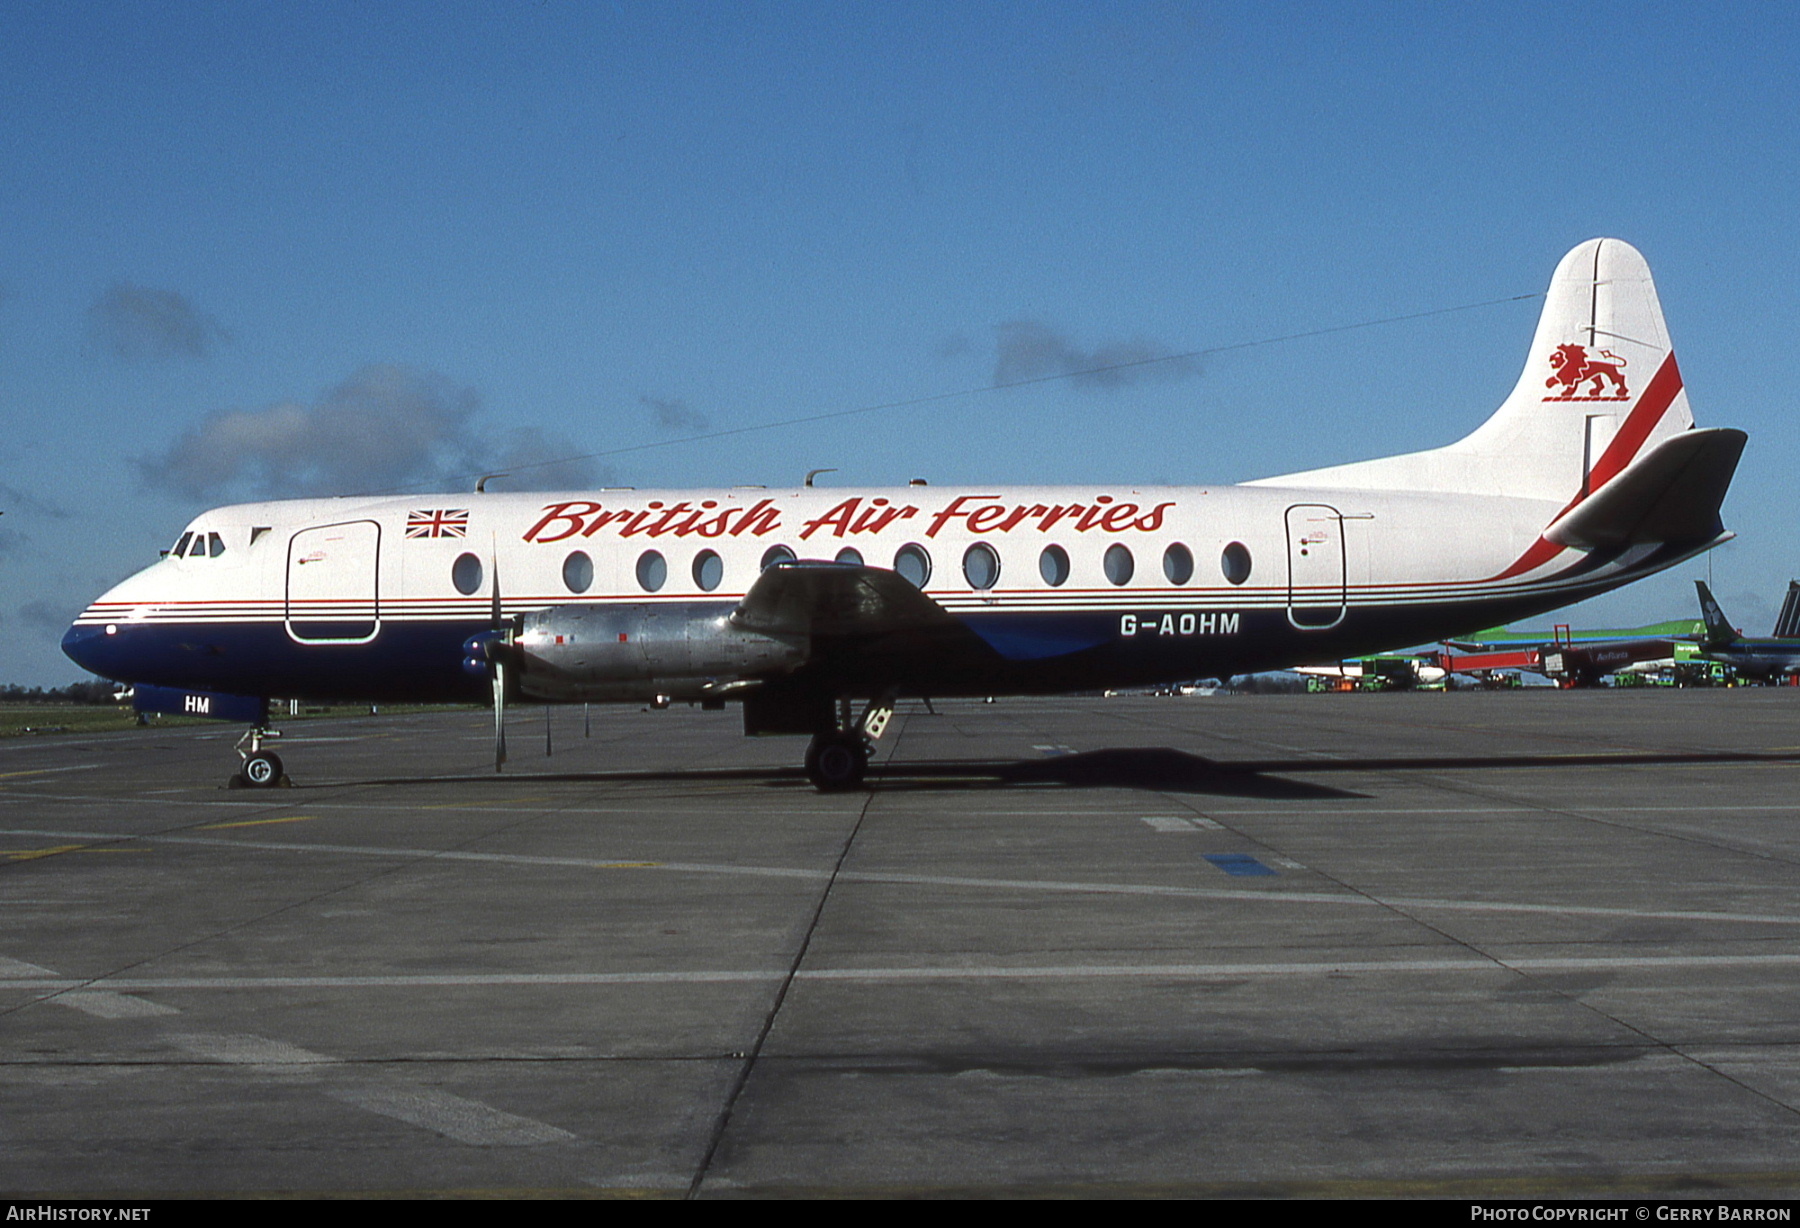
{"type": "Point", "coordinates": [198, 549]}
{"type": "Point", "coordinates": [181, 546]}
{"type": "Point", "coordinates": [215, 545]}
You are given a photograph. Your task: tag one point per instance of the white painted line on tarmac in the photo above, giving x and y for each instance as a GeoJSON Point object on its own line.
{"type": "Point", "coordinates": [466, 1121]}
{"type": "Point", "coordinates": [455, 1117]}
{"type": "Point", "coordinates": [106, 1004]}
{"type": "Point", "coordinates": [899, 808]}
{"type": "Point", "coordinates": [1170, 823]}
{"type": "Point", "coordinates": [1274, 894]}
{"type": "Point", "coordinates": [244, 1050]}
{"type": "Point", "coordinates": [226, 1047]}
{"type": "Point", "coordinates": [10, 968]}
{"type": "Point", "coordinates": [256, 1051]}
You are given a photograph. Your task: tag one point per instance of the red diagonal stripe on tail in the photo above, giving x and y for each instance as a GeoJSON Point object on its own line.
{"type": "Point", "coordinates": [1619, 453]}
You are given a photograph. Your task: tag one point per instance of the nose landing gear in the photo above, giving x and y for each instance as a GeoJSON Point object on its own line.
{"type": "Point", "coordinates": [262, 768]}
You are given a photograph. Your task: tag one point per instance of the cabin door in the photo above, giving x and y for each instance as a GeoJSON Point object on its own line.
{"type": "Point", "coordinates": [1315, 535]}
{"type": "Point", "coordinates": [332, 587]}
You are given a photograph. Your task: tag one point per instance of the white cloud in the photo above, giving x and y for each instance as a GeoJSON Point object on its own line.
{"type": "Point", "coordinates": [386, 427]}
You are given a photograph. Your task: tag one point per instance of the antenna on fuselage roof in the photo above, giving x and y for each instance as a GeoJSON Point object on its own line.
{"type": "Point", "coordinates": [481, 486]}
{"type": "Point", "coordinates": [813, 473]}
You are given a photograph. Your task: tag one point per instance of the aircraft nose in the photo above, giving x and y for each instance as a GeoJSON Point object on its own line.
{"type": "Point", "coordinates": [92, 647]}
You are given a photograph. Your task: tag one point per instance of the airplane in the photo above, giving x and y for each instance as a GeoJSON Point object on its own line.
{"type": "Point", "coordinates": [1382, 672]}
{"type": "Point", "coordinates": [802, 604]}
{"type": "Point", "coordinates": [1502, 638]}
{"type": "Point", "coordinates": [1766, 659]}
{"type": "Point", "coordinates": [1578, 658]}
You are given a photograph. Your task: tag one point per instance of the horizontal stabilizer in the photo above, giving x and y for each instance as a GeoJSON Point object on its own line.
{"type": "Point", "coordinates": [1671, 493]}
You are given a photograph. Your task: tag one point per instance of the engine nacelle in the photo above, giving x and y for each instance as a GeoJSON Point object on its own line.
{"type": "Point", "coordinates": [645, 652]}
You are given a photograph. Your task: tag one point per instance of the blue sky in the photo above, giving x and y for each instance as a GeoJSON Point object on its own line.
{"type": "Point", "coordinates": [252, 249]}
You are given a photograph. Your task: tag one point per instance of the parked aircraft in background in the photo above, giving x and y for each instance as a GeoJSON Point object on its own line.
{"type": "Point", "coordinates": [800, 604]}
{"type": "Point", "coordinates": [1500, 638]}
{"type": "Point", "coordinates": [1575, 657]}
{"type": "Point", "coordinates": [1394, 671]}
{"type": "Point", "coordinates": [1764, 659]}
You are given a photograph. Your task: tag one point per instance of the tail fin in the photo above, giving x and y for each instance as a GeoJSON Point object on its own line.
{"type": "Point", "coordinates": [1787, 625]}
{"type": "Point", "coordinates": [1718, 629]}
{"type": "Point", "coordinates": [1599, 387]}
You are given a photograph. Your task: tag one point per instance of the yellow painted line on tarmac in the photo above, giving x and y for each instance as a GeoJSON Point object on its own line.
{"type": "Point", "coordinates": [494, 805]}
{"type": "Point", "coordinates": [298, 818]}
{"type": "Point", "coordinates": [54, 850]}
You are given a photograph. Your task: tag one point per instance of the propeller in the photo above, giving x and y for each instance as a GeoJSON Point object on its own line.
{"type": "Point", "coordinates": [496, 654]}
{"type": "Point", "coordinates": [491, 652]}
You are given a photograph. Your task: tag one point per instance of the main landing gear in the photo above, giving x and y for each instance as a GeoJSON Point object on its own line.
{"type": "Point", "coordinates": [262, 768]}
{"type": "Point", "coordinates": [837, 758]}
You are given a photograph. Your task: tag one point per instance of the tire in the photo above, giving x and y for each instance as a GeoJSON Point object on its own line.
{"type": "Point", "coordinates": [263, 770]}
{"type": "Point", "coordinates": [836, 761]}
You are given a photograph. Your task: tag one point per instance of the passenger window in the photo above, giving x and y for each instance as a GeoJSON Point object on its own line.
{"type": "Point", "coordinates": [578, 572]}
{"type": "Point", "coordinates": [709, 570]}
{"type": "Point", "coordinates": [913, 564]}
{"type": "Point", "coordinates": [1178, 564]}
{"type": "Point", "coordinates": [652, 571]}
{"type": "Point", "coordinates": [851, 555]}
{"type": "Point", "coordinates": [1053, 565]}
{"type": "Point", "coordinates": [1119, 564]}
{"type": "Point", "coordinates": [1235, 562]}
{"type": "Point", "coordinates": [774, 555]}
{"type": "Point", "coordinates": [981, 566]}
{"type": "Point", "coordinates": [465, 573]}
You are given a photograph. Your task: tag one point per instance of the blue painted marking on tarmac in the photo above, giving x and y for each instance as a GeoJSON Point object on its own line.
{"type": "Point", "coordinates": [1239, 865]}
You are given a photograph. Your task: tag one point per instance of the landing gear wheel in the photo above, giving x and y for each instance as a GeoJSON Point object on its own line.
{"type": "Point", "coordinates": [262, 770]}
{"type": "Point", "coordinates": [836, 761]}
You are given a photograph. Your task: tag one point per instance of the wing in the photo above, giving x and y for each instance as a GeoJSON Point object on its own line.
{"type": "Point", "coordinates": [869, 629]}
{"type": "Point", "coordinates": [839, 600]}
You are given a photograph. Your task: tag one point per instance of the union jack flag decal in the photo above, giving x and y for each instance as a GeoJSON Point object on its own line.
{"type": "Point", "coordinates": [438, 524]}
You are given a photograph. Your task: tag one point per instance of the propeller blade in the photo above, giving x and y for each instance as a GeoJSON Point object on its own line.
{"type": "Point", "coordinates": [499, 714]}
{"type": "Point", "coordinates": [497, 621]}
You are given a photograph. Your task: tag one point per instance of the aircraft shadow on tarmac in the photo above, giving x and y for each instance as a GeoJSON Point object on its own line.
{"type": "Point", "coordinates": [1156, 769]}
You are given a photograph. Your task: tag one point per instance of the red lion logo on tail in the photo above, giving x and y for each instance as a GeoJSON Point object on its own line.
{"type": "Point", "coordinates": [1574, 368]}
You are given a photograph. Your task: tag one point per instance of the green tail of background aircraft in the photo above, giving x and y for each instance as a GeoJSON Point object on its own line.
{"type": "Point", "coordinates": [1767, 658]}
